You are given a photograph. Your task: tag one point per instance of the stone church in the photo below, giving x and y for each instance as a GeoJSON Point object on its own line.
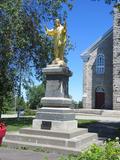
{"type": "Point", "coordinates": [101, 84]}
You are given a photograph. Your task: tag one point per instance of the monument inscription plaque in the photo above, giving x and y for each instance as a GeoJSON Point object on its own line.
{"type": "Point", "coordinates": [46, 125]}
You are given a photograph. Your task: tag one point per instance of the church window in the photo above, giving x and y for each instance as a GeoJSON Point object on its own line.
{"type": "Point", "coordinates": [100, 64]}
{"type": "Point", "coordinates": [99, 90]}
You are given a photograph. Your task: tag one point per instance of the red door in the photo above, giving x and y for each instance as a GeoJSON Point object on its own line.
{"type": "Point", "coordinates": [99, 100]}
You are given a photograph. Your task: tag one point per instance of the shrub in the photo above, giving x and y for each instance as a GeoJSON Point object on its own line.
{"type": "Point", "coordinates": [110, 150]}
{"type": "Point", "coordinates": [29, 112]}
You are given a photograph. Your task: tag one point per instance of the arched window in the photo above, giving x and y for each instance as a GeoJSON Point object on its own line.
{"type": "Point", "coordinates": [99, 90]}
{"type": "Point", "coordinates": [100, 64]}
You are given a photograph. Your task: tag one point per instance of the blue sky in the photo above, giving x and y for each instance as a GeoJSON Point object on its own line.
{"type": "Point", "coordinates": [87, 21]}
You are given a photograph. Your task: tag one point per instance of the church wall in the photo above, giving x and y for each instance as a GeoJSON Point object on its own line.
{"type": "Point", "coordinates": [87, 96]}
{"type": "Point", "coordinates": [93, 80]}
{"type": "Point", "coordinates": [116, 60]}
{"type": "Point", "coordinates": [104, 80]}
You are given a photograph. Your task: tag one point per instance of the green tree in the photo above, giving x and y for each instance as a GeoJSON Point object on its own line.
{"type": "Point", "coordinates": [6, 80]}
{"type": "Point", "coordinates": [23, 44]}
{"type": "Point", "coordinates": [108, 1]}
{"type": "Point", "coordinates": [80, 104]}
{"type": "Point", "coordinates": [20, 103]}
{"type": "Point", "coordinates": [9, 103]}
{"type": "Point", "coordinates": [34, 95]}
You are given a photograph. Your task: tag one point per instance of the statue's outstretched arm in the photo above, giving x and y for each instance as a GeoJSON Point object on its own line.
{"type": "Point", "coordinates": [49, 32]}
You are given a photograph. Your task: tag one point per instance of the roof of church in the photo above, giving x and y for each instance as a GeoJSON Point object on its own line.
{"type": "Point", "coordinates": [96, 43]}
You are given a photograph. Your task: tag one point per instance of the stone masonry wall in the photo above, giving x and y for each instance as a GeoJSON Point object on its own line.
{"type": "Point", "coordinates": [93, 80]}
{"type": "Point", "coordinates": [87, 81]}
{"type": "Point", "coordinates": [105, 80]}
{"type": "Point", "coordinates": [116, 60]}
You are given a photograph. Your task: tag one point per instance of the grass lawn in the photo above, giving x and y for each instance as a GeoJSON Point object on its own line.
{"type": "Point", "coordinates": [14, 124]}
{"type": "Point", "coordinates": [85, 123]}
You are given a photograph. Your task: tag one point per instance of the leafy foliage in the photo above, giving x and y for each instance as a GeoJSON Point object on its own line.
{"type": "Point", "coordinates": [110, 150]}
{"type": "Point", "coordinates": [24, 47]}
{"type": "Point", "coordinates": [80, 104]}
{"type": "Point", "coordinates": [29, 112]}
{"type": "Point", "coordinates": [116, 3]}
{"type": "Point", "coordinates": [20, 103]}
{"type": "Point", "coordinates": [108, 1]}
{"type": "Point", "coordinates": [34, 95]}
{"type": "Point", "coordinates": [9, 103]}
{"type": "Point", "coordinates": [77, 105]}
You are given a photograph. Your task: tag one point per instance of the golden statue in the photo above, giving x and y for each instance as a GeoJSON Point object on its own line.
{"type": "Point", "coordinates": [59, 35]}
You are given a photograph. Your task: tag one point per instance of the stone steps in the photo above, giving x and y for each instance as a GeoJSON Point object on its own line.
{"type": "Point", "coordinates": [67, 142]}
{"type": "Point", "coordinates": [51, 133]}
{"type": "Point", "coordinates": [73, 142]}
{"type": "Point", "coordinates": [48, 148]}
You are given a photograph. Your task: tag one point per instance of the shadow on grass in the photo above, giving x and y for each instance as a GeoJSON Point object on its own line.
{"type": "Point", "coordinates": [103, 129]}
{"type": "Point", "coordinates": [14, 124]}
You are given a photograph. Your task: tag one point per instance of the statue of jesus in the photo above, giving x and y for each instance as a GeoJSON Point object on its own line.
{"type": "Point", "coordinates": [59, 36]}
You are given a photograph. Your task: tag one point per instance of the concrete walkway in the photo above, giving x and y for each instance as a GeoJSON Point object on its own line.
{"type": "Point", "coordinates": [97, 117]}
{"type": "Point", "coordinates": [14, 116]}
{"type": "Point", "coordinates": [9, 115]}
{"type": "Point", "coordinates": [11, 154]}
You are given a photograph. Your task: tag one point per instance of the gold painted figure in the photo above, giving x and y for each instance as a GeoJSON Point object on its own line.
{"type": "Point", "coordinates": [59, 35]}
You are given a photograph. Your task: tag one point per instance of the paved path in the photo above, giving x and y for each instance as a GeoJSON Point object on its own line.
{"type": "Point", "coordinates": [13, 116]}
{"type": "Point", "coordinates": [98, 118]}
{"type": "Point", "coordinates": [11, 154]}
{"type": "Point", "coordinates": [9, 115]}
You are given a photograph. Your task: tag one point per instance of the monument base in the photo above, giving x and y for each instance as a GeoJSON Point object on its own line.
{"type": "Point", "coordinates": [55, 119]}
{"type": "Point", "coordinates": [67, 142]}
{"type": "Point", "coordinates": [55, 125]}
{"type": "Point", "coordinates": [55, 114]}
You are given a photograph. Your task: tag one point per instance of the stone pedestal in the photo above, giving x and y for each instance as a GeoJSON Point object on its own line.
{"type": "Point", "coordinates": [55, 127]}
{"type": "Point", "coordinates": [56, 113]}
